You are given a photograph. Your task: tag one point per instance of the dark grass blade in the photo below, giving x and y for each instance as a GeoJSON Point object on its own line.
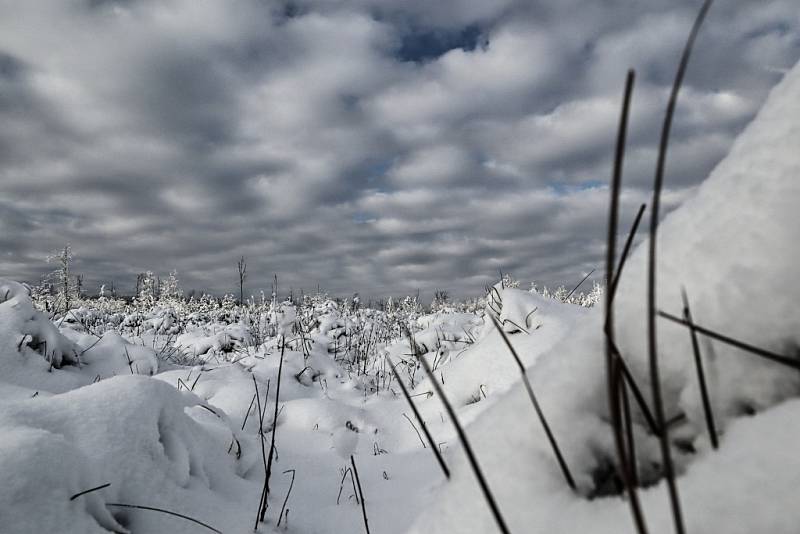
{"type": "Point", "coordinates": [361, 493]}
{"type": "Point", "coordinates": [652, 345]}
{"type": "Point", "coordinates": [263, 452]}
{"type": "Point", "coordinates": [535, 402]}
{"type": "Point", "coordinates": [341, 485]}
{"type": "Point", "coordinates": [90, 490]}
{"type": "Point", "coordinates": [415, 430]}
{"type": "Point", "coordinates": [265, 497]}
{"type": "Point", "coordinates": [772, 356]}
{"type": "Point", "coordinates": [574, 289]}
{"type": "Point", "coordinates": [286, 500]}
{"type": "Point", "coordinates": [626, 410]}
{"type": "Point", "coordinates": [425, 430]}
{"type": "Point", "coordinates": [462, 436]}
{"type": "Point", "coordinates": [637, 392]}
{"type": "Point", "coordinates": [250, 408]}
{"type": "Point", "coordinates": [675, 420]}
{"type": "Point", "coordinates": [615, 382]}
{"type": "Point", "coordinates": [527, 323]}
{"type": "Point", "coordinates": [518, 327]}
{"type": "Point", "coordinates": [701, 375]}
{"type": "Point", "coordinates": [154, 509]}
{"type": "Point", "coordinates": [625, 250]}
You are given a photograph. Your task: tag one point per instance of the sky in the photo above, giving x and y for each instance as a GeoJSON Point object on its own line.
{"type": "Point", "coordinates": [371, 146]}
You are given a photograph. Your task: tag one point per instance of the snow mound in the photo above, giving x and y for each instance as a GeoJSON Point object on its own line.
{"type": "Point", "coordinates": [467, 353]}
{"type": "Point", "coordinates": [733, 247]}
{"type": "Point", "coordinates": [25, 331]}
{"type": "Point", "coordinates": [200, 344]}
{"type": "Point", "coordinates": [35, 356]}
{"type": "Point", "coordinates": [134, 433]}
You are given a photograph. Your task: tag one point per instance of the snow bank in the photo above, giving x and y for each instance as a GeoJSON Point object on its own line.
{"type": "Point", "coordinates": [131, 432]}
{"type": "Point", "coordinates": [35, 496]}
{"type": "Point", "coordinates": [733, 247]}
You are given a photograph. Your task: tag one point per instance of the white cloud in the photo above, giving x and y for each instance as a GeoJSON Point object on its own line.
{"type": "Point", "coordinates": [182, 134]}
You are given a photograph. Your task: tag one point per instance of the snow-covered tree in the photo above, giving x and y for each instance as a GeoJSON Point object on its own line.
{"type": "Point", "coordinates": [64, 283]}
{"type": "Point", "coordinates": [510, 281]}
{"type": "Point", "coordinates": [147, 289]}
{"type": "Point", "coordinates": [170, 288]}
{"type": "Point", "coordinates": [440, 300]}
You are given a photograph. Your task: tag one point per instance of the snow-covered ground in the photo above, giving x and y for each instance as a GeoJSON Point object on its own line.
{"type": "Point", "coordinates": [734, 248]}
{"type": "Point", "coordinates": [159, 404]}
{"type": "Point", "coordinates": [185, 438]}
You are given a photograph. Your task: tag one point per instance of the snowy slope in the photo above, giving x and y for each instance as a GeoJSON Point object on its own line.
{"type": "Point", "coordinates": [734, 248]}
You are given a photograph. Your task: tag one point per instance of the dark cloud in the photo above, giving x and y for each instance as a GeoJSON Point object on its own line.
{"type": "Point", "coordinates": [363, 145]}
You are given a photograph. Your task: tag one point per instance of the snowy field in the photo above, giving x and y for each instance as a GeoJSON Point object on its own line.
{"type": "Point", "coordinates": [668, 401]}
{"type": "Point", "coordinates": [163, 406]}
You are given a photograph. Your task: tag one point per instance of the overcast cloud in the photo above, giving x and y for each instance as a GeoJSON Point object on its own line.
{"type": "Point", "coordinates": [377, 146]}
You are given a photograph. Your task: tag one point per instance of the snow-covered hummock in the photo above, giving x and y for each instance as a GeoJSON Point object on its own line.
{"type": "Point", "coordinates": [131, 432]}
{"type": "Point", "coordinates": [468, 354]}
{"type": "Point", "coordinates": [35, 356]}
{"type": "Point", "coordinates": [27, 330]}
{"type": "Point", "coordinates": [734, 247]}
{"type": "Point", "coordinates": [206, 343]}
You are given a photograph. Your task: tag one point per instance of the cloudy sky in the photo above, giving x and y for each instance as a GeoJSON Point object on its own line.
{"type": "Point", "coordinates": [377, 146]}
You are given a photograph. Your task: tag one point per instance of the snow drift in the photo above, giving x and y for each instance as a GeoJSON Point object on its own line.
{"type": "Point", "coordinates": [733, 247]}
